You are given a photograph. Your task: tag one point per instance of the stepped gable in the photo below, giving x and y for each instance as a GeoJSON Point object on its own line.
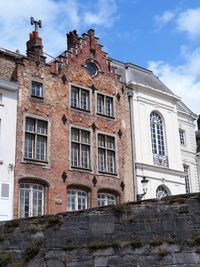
{"type": "Point", "coordinates": [84, 51]}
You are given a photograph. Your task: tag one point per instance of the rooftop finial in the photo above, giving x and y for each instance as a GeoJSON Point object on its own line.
{"type": "Point", "coordinates": [38, 23]}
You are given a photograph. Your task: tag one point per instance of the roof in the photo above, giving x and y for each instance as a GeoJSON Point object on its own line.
{"type": "Point", "coordinates": [139, 75]}
{"type": "Point", "coordinates": [12, 54]}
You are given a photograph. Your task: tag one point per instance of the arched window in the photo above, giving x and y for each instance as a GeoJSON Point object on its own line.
{"type": "Point", "coordinates": [105, 199]}
{"type": "Point", "coordinates": [31, 200]}
{"type": "Point", "coordinates": [158, 139]}
{"type": "Point", "coordinates": [157, 134]}
{"type": "Point", "coordinates": [162, 191]}
{"type": "Point", "coordinates": [76, 200]}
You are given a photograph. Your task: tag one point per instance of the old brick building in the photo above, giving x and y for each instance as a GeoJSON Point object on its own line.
{"type": "Point", "coordinates": [73, 147]}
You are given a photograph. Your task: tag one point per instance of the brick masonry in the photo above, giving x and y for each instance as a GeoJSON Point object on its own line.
{"type": "Point", "coordinates": [150, 233]}
{"type": "Point", "coordinates": [57, 77]}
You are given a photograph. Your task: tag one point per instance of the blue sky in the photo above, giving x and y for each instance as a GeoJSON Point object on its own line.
{"type": "Point", "coordinates": [163, 35]}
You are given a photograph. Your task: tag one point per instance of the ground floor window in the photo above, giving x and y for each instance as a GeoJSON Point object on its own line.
{"type": "Point", "coordinates": [162, 191]}
{"type": "Point", "coordinates": [76, 200]}
{"type": "Point", "coordinates": [105, 199]}
{"type": "Point", "coordinates": [31, 200]}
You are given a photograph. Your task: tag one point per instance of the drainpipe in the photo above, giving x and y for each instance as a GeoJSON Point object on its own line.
{"type": "Point", "coordinates": [130, 100]}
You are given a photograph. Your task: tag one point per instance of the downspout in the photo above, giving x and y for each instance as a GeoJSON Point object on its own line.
{"type": "Point", "coordinates": [130, 100]}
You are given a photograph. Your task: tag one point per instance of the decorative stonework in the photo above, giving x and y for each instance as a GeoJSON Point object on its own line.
{"type": "Point", "coordinates": [160, 160]}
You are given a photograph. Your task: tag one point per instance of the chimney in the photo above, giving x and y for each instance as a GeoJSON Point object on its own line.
{"type": "Point", "coordinates": [34, 44]}
{"type": "Point", "coordinates": [72, 39]}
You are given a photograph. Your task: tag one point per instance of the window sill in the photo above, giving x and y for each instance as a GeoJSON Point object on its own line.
{"type": "Point", "coordinates": [106, 116]}
{"type": "Point", "coordinates": [1, 105]}
{"type": "Point", "coordinates": [35, 162]}
{"type": "Point", "coordinates": [80, 109]}
{"type": "Point", "coordinates": [108, 173]}
{"type": "Point", "coordinates": [80, 168]}
{"type": "Point", "coordinates": [33, 97]}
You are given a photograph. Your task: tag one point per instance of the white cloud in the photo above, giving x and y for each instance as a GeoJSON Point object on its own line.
{"type": "Point", "coordinates": [58, 18]}
{"type": "Point", "coordinates": [165, 18]}
{"type": "Point", "coordinates": [189, 22]}
{"type": "Point", "coordinates": [183, 80]}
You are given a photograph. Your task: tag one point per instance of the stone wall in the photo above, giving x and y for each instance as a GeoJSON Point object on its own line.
{"type": "Point", "coordinates": [150, 233]}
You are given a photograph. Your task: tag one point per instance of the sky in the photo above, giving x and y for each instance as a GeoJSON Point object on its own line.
{"type": "Point", "coordinates": [161, 35]}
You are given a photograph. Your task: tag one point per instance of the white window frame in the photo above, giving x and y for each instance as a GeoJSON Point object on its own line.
{"type": "Point", "coordinates": [76, 198]}
{"type": "Point", "coordinates": [30, 191]}
{"type": "Point", "coordinates": [107, 198]}
{"type": "Point", "coordinates": [34, 141]}
{"type": "Point", "coordinates": [80, 143]}
{"type": "Point", "coordinates": [104, 111]}
{"type": "Point", "coordinates": [79, 99]}
{"type": "Point", "coordinates": [106, 149]}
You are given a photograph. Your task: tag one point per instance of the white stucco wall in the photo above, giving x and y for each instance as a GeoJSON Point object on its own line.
{"type": "Point", "coordinates": [8, 113]}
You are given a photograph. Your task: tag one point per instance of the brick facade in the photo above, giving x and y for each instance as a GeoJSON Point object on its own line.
{"type": "Point", "coordinates": [56, 173]}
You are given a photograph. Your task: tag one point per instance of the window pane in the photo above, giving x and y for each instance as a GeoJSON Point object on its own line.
{"type": "Point", "coordinates": [74, 96]}
{"type": "Point", "coordinates": [5, 190]}
{"type": "Point", "coordinates": [82, 200]}
{"type": "Point", "coordinates": [75, 155]}
{"type": "Point", "coordinates": [29, 146]}
{"type": "Point", "coordinates": [101, 159]}
{"type": "Point", "coordinates": [84, 99]}
{"type": "Point", "coordinates": [101, 140]}
{"type": "Point", "coordinates": [111, 161]}
{"type": "Point", "coordinates": [42, 127]}
{"type": "Point", "coordinates": [30, 125]}
{"type": "Point", "coordinates": [109, 106]}
{"type": "Point", "coordinates": [110, 142]}
{"type": "Point", "coordinates": [41, 148]}
{"type": "Point", "coordinates": [100, 104]}
{"type": "Point", "coordinates": [37, 89]}
{"type": "Point", "coordinates": [75, 134]}
{"type": "Point", "coordinates": [85, 137]}
{"type": "Point", "coordinates": [85, 156]}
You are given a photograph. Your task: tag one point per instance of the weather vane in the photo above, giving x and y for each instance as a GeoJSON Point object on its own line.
{"type": "Point", "coordinates": [38, 23]}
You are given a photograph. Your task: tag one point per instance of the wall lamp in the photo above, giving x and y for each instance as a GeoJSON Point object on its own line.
{"type": "Point", "coordinates": [144, 187]}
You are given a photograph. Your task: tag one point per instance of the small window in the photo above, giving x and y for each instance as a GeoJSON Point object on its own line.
{"type": "Point", "coordinates": [1, 97]}
{"type": "Point", "coordinates": [80, 98]}
{"type": "Point", "coordinates": [5, 190]}
{"type": "Point", "coordinates": [182, 136]}
{"type": "Point", "coordinates": [92, 69]}
{"type": "Point", "coordinates": [162, 191]}
{"type": "Point", "coordinates": [35, 147]}
{"type": "Point", "coordinates": [105, 199]}
{"type": "Point", "coordinates": [80, 148]}
{"type": "Point", "coordinates": [106, 154]}
{"type": "Point", "coordinates": [76, 200]}
{"type": "Point", "coordinates": [36, 89]}
{"type": "Point", "coordinates": [186, 169]}
{"type": "Point", "coordinates": [105, 105]}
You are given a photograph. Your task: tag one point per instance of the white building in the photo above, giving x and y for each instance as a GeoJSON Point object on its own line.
{"type": "Point", "coordinates": [163, 135]}
{"type": "Point", "coordinates": [8, 113]}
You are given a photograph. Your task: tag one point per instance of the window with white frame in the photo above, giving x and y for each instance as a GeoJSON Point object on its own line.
{"type": "Point", "coordinates": [35, 147]}
{"type": "Point", "coordinates": [80, 98]}
{"type": "Point", "coordinates": [5, 190]}
{"type": "Point", "coordinates": [162, 191]}
{"type": "Point", "coordinates": [186, 169]}
{"type": "Point", "coordinates": [157, 134]}
{"type": "Point", "coordinates": [106, 154]}
{"type": "Point", "coordinates": [105, 105]}
{"type": "Point", "coordinates": [105, 199]}
{"type": "Point", "coordinates": [76, 200]}
{"type": "Point", "coordinates": [31, 200]}
{"type": "Point", "coordinates": [182, 136]}
{"type": "Point", "coordinates": [36, 89]}
{"type": "Point", "coordinates": [80, 148]}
